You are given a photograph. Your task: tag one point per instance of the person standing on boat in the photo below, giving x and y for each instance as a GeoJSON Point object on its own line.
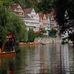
{"type": "Point", "coordinates": [10, 41]}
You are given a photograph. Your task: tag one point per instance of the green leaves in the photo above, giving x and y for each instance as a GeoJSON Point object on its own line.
{"type": "Point", "coordinates": [6, 2]}
{"type": "Point", "coordinates": [39, 5]}
{"type": "Point", "coordinates": [45, 5]}
{"type": "Point", "coordinates": [9, 22]}
{"type": "Point", "coordinates": [31, 36]}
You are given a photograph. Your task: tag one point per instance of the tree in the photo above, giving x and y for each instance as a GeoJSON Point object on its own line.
{"type": "Point", "coordinates": [65, 16]}
{"type": "Point", "coordinates": [45, 5]}
{"type": "Point", "coordinates": [24, 34]}
{"type": "Point", "coordinates": [9, 22]}
{"type": "Point", "coordinates": [52, 32]}
{"type": "Point", "coordinates": [39, 5]}
{"type": "Point", "coordinates": [31, 35]}
{"type": "Point", "coordinates": [6, 2]}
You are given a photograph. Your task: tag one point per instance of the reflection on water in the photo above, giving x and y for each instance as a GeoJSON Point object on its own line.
{"type": "Point", "coordinates": [65, 59]}
{"type": "Point", "coordinates": [41, 59]}
{"type": "Point", "coordinates": [7, 66]}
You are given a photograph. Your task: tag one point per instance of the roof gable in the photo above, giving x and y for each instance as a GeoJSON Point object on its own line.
{"type": "Point", "coordinates": [27, 10]}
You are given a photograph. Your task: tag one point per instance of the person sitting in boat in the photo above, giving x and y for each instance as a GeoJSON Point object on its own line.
{"type": "Point", "coordinates": [10, 42]}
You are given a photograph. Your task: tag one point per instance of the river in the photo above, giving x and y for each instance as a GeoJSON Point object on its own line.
{"type": "Point", "coordinates": [52, 58]}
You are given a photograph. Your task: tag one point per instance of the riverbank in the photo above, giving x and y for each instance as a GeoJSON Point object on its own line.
{"type": "Point", "coordinates": [44, 40]}
{"type": "Point", "coordinates": [48, 40]}
{"type": "Point", "coordinates": [28, 43]}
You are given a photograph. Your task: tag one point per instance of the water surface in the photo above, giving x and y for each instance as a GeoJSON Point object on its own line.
{"type": "Point", "coordinates": [52, 58]}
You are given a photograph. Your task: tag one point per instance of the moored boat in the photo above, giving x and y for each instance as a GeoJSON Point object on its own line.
{"type": "Point", "coordinates": [7, 54]}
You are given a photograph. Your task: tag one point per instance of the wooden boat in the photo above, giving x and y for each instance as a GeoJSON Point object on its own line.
{"type": "Point", "coordinates": [7, 54]}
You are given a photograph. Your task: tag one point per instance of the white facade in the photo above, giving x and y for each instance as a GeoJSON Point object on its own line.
{"type": "Point", "coordinates": [28, 15]}
{"type": "Point", "coordinates": [32, 20]}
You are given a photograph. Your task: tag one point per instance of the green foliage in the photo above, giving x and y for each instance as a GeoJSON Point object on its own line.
{"type": "Point", "coordinates": [31, 35]}
{"type": "Point", "coordinates": [24, 34]}
{"type": "Point", "coordinates": [65, 16]}
{"type": "Point", "coordinates": [42, 31]}
{"type": "Point", "coordinates": [23, 3]}
{"type": "Point", "coordinates": [52, 32]}
{"type": "Point", "coordinates": [39, 5]}
{"type": "Point", "coordinates": [45, 5]}
{"type": "Point", "coordinates": [6, 2]}
{"type": "Point", "coordinates": [9, 22]}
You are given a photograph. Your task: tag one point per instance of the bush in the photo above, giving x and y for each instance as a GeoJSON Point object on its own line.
{"type": "Point", "coordinates": [31, 35]}
{"type": "Point", "coordinates": [52, 32]}
{"type": "Point", "coordinates": [9, 22]}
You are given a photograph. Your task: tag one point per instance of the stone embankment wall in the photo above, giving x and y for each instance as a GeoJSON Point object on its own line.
{"type": "Point", "coordinates": [48, 40]}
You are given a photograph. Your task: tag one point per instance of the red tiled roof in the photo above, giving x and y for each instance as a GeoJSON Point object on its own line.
{"type": "Point", "coordinates": [42, 16]}
{"type": "Point", "coordinates": [14, 6]}
{"type": "Point", "coordinates": [27, 10]}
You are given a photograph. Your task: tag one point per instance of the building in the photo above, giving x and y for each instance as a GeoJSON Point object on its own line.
{"type": "Point", "coordinates": [28, 15]}
{"type": "Point", "coordinates": [35, 20]}
{"type": "Point", "coordinates": [48, 21]}
{"type": "Point", "coordinates": [17, 9]}
{"type": "Point", "coordinates": [52, 20]}
{"type": "Point", "coordinates": [31, 19]}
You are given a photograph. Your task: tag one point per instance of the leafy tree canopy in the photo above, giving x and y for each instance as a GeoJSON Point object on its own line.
{"type": "Point", "coordinates": [6, 2]}
{"type": "Point", "coordinates": [65, 16]}
{"type": "Point", "coordinates": [9, 22]}
{"type": "Point", "coordinates": [39, 5]}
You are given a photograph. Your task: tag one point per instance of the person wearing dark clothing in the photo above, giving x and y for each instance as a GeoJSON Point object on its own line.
{"type": "Point", "coordinates": [10, 42]}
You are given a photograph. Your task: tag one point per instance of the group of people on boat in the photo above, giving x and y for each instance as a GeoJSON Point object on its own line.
{"type": "Point", "coordinates": [9, 44]}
